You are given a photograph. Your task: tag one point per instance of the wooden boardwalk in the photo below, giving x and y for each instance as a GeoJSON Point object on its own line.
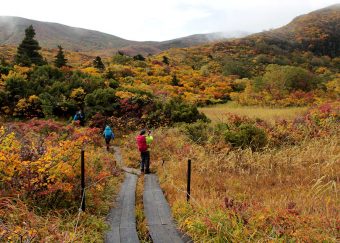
{"type": "Point", "coordinates": [158, 214]}
{"type": "Point", "coordinates": [122, 218]}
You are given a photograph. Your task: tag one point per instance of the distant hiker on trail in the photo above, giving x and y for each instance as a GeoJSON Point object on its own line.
{"type": "Point", "coordinates": [108, 135]}
{"type": "Point", "coordinates": [144, 153]}
{"type": "Point", "coordinates": [79, 116]}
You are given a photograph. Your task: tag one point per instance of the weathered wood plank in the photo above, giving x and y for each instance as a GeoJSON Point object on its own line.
{"type": "Point", "coordinates": [158, 214]}
{"type": "Point", "coordinates": [122, 219]}
{"type": "Point", "coordinates": [113, 235]}
{"type": "Point", "coordinates": [128, 235]}
{"type": "Point", "coordinates": [128, 212]}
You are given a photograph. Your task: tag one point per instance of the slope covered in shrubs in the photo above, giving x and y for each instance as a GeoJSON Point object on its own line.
{"type": "Point", "coordinates": [40, 182]}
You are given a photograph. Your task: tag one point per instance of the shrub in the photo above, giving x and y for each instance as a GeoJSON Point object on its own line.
{"type": "Point", "coordinates": [288, 78]}
{"type": "Point", "coordinates": [178, 111]}
{"type": "Point", "coordinates": [197, 132]}
{"type": "Point", "coordinates": [233, 67]}
{"type": "Point", "coordinates": [4, 70]}
{"type": "Point", "coordinates": [102, 101]}
{"type": "Point", "coordinates": [16, 84]}
{"type": "Point", "coordinates": [247, 135]}
{"type": "Point", "coordinates": [122, 59]}
{"type": "Point", "coordinates": [263, 58]}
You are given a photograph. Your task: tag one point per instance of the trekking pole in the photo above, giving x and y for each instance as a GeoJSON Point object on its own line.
{"type": "Point", "coordinates": [188, 180]}
{"type": "Point", "coordinates": [82, 159]}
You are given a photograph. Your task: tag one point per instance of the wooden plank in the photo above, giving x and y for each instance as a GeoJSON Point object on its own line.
{"type": "Point", "coordinates": [113, 235]}
{"type": "Point", "coordinates": [128, 235]}
{"type": "Point", "coordinates": [174, 234]}
{"type": "Point", "coordinates": [122, 218]}
{"type": "Point", "coordinates": [149, 208]}
{"type": "Point", "coordinates": [128, 212]}
{"type": "Point", "coordinates": [116, 212]}
{"type": "Point", "coordinates": [158, 214]}
{"type": "Point", "coordinates": [164, 234]}
{"type": "Point", "coordinates": [159, 234]}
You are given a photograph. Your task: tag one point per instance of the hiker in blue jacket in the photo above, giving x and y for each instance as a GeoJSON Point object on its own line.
{"type": "Point", "coordinates": [80, 116]}
{"type": "Point", "coordinates": [108, 135]}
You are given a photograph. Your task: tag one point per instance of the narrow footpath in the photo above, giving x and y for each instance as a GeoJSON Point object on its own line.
{"type": "Point", "coordinates": [122, 218]}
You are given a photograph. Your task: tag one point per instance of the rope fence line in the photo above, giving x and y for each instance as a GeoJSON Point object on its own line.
{"type": "Point", "coordinates": [202, 212]}
{"type": "Point", "coordinates": [82, 200]}
{"type": "Point", "coordinates": [120, 164]}
{"type": "Point", "coordinates": [84, 192]}
{"type": "Point", "coordinates": [182, 191]}
{"type": "Point", "coordinates": [79, 212]}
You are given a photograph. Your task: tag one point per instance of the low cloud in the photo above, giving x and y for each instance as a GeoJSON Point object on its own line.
{"type": "Point", "coordinates": [162, 20]}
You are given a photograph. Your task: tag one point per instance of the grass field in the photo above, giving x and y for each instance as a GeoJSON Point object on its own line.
{"type": "Point", "coordinates": [287, 191]}
{"type": "Point", "coordinates": [287, 194]}
{"type": "Point", "coordinates": [218, 113]}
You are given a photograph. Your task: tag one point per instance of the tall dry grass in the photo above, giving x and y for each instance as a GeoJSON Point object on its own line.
{"type": "Point", "coordinates": [219, 113]}
{"type": "Point", "coordinates": [283, 194]}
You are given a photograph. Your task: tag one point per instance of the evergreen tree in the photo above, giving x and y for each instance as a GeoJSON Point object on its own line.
{"type": "Point", "coordinates": [121, 53]}
{"type": "Point", "coordinates": [3, 61]}
{"type": "Point", "coordinates": [27, 53]}
{"type": "Point", "coordinates": [97, 63]}
{"type": "Point", "coordinates": [60, 59]}
{"type": "Point", "coordinates": [165, 60]}
{"type": "Point", "coordinates": [139, 57]}
{"type": "Point", "coordinates": [175, 81]}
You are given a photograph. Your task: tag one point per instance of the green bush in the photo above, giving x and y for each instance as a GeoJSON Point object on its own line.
{"type": "Point", "coordinates": [4, 70]}
{"type": "Point", "coordinates": [246, 135]}
{"type": "Point", "coordinates": [122, 59]}
{"type": "Point", "coordinates": [197, 132]}
{"type": "Point", "coordinates": [172, 112]}
{"type": "Point", "coordinates": [288, 78]}
{"type": "Point", "coordinates": [178, 111]}
{"type": "Point", "coordinates": [43, 76]}
{"type": "Point", "coordinates": [102, 101]}
{"type": "Point", "coordinates": [235, 67]}
{"type": "Point", "coordinates": [17, 86]}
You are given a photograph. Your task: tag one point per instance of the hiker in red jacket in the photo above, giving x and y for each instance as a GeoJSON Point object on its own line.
{"type": "Point", "coordinates": [144, 153]}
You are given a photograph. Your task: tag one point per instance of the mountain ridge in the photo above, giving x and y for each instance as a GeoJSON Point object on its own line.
{"type": "Point", "coordinates": [51, 34]}
{"type": "Point", "coordinates": [317, 31]}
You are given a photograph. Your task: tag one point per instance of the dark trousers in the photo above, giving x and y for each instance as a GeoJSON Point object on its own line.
{"type": "Point", "coordinates": [145, 164]}
{"type": "Point", "coordinates": [107, 141]}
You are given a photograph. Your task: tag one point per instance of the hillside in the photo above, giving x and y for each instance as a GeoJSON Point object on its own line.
{"type": "Point", "coordinates": [50, 35]}
{"type": "Point", "coordinates": [318, 32]}
{"type": "Point", "coordinates": [309, 41]}
{"type": "Point", "coordinates": [75, 59]}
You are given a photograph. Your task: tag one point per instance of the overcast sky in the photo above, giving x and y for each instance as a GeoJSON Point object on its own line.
{"type": "Point", "coordinates": [163, 19]}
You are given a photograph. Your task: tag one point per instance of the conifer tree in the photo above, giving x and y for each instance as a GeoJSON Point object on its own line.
{"type": "Point", "coordinates": [27, 53]}
{"type": "Point", "coordinates": [139, 57]}
{"type": "Point", "coordinates": [60, 59]}
{"type": "Point", "coordinates": [97, 63]}
{"type": "Point", "coordinates": [175, 81]}
{"type": "Point", "coordinates": [165, 60]}
{"type": "Point", "coordinates": [3, 61]}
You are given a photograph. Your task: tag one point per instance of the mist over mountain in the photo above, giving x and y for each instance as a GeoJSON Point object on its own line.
{"type": "Point", "coordinates": [318, 31]}
{"type": "Point", "coordinates": [50, 35]}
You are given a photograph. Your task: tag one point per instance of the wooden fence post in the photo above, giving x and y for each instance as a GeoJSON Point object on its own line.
{"type": "Point", "coordinates": [188, 180]}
